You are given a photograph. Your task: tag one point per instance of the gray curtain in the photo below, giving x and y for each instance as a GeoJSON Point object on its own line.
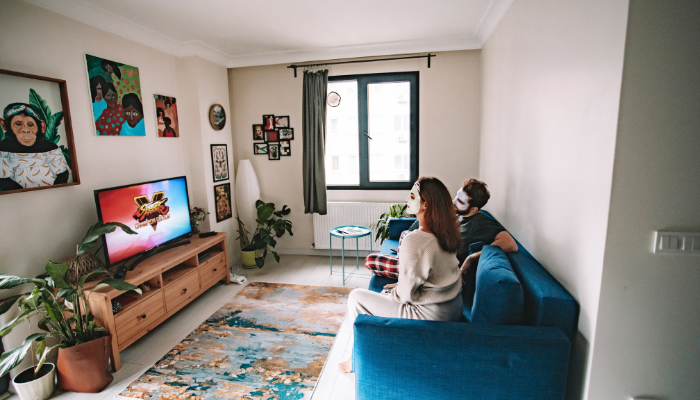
{"type": "Point", "coordinates": [314, 141]}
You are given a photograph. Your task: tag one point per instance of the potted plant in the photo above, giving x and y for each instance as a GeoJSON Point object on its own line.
{"type": "Point", "coordinates": [271, 225]}
{"type": "Point", "coordinates": [382, 224]}
{"type": "Point", "coordinates": [67, 324]}
{"type": "Point", "coordinates": [197, 215]}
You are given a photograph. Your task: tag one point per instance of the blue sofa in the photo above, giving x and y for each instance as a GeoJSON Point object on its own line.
{"type": "Point", "coordinates": [516, 352]}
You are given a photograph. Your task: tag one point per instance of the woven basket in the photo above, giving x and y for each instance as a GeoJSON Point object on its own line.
{"type": "Point", "coordinates": [87, 262]}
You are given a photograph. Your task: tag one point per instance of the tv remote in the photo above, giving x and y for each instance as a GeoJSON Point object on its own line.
{"type": "Point", "coordinates": [207, 234]}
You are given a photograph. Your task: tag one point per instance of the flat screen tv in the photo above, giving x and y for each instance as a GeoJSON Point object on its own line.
{"type": "Point", "coordinates": [159, 211]}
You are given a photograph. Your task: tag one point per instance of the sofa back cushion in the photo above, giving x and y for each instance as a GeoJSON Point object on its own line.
{"type": "Point", "coordinates": [398, 225]}
{"type": "Point", "coordinates": [499, 297]}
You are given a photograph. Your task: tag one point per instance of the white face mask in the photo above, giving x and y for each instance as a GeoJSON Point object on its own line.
{"type": "Point", "coordinates": [413, 204]}
{"type": "Point", "coordinates": [464, 205]}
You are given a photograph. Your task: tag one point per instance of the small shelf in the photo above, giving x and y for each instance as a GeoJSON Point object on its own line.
{"type": "Point", "coordinates": [133, 299]}
{"type": "Point", "coordinates": [174, 274]}
{"type": "Point", "coordinates": [214, 255]}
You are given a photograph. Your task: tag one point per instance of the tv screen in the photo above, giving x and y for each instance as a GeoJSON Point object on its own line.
{"type": "Point", "coordinates": [159, 211]}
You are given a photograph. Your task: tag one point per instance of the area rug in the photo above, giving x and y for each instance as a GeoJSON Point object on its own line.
{"type": "Point", "coordinates": [270, 342]}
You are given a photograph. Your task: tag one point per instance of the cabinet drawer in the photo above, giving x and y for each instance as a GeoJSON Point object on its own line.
{"type": "Point", "coordinates": [131, 321]}
{"type": "Point", "coordinates": [181, 290]}
{"type": "Point", "coordinates": [213, 270]}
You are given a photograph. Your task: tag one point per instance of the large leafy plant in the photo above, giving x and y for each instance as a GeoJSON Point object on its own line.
{"type": "Point", "coordinates": [62, 307]}
{"type": "Point", "coordinates": [382, 224]}
{"type": "Point", "coordinates": [271, 225]}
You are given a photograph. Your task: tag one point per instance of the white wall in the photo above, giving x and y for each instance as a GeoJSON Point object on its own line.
{"type": "Point", "coordinates": [551, 86]}
{"type": "Point", "coordinates": [448, 128]}
{"type": "Point", "coordinates": [648, 320]}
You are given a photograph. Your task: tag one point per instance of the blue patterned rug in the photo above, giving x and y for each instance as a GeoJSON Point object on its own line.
{"type": "Point", "coordinates": [270, 342]}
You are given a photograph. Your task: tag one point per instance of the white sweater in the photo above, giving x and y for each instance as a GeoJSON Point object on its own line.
{"type": "Point", "coordinates": [427, 273]}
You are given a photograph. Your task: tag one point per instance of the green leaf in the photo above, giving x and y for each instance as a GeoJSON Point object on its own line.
{"type": "Point", "coordinates": [259, 262]}
{"type": "Point", "coordinates": [274, 254]}
{"type": "Point", "coordinates": [117, 284]}
{"type": "Point", "coordinates": [52, 127]}
{"type": "Point", "coordinates": [58, 273]}
{"type": "Point", "coordinates": [12, 358]}
{"type": "Point", "coordinates": [11, 281]}
{"type": "Point", "coordinates": [7, 328]}
{"type": "Point", "coordinates": [265, 211]}
{"type": "Point", "coordinates": [98, 229]}
{"type": "Point", "coordinates": [39, 105]}
{"type": "Point", "coordinates": [8, 303]}
{"type": "Point", "coordinates": [83, 278]}
{"type": "Point", "coordinates": [43, 324]}
{"type": "Point", "coordinates": [66, 154]}
{"type": "Point", "coordinates": [2, 133]}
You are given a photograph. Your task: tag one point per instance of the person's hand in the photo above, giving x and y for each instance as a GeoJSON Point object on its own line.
{"type": "Point", "coordinates": [468, 263]}
{"type": "Point", "coordinates": [391, 286]}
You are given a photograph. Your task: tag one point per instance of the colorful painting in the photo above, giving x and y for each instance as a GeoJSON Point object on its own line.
{"type": "Point", "coordinates": [115, 94]}
{"type": "Point", "coordinates": [219, 162]}
{"type": "Point", "coordinates": [258, 132]}
{"type": "Point", "coordinates": [36, 136]}
{"type": "Point", "coordinates": [273, 151]}
{"type": "Point", "coordinates": [286, 133]}
{"type": "Point", "coordinates": [282, 121]}
{"type": "Point", "coordinates": [268, 122]}
{"type": "Point", "coordinates": [285, 148]}
{"type": "Point", "coordinates": [271, 136]}
{"type": "Point", "coordinates": [217, 117]}
{"type": "Point", "coordinates": [270, 342]}
{"type": "Point", "coordinates": [222, 197]}
{"type": "Point", "coordinates": [166, 116]}
{"type": "Point", "coordinates": [260, 148]}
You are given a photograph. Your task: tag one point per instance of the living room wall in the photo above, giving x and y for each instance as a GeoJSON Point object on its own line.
{"type": "Point", "coordinates": [448, 128]}
{"type": "Point", "coordinates": [551, 87]}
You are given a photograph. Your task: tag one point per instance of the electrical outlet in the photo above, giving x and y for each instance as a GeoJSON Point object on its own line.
{"type": "Point", "coordinates": [677, 242]}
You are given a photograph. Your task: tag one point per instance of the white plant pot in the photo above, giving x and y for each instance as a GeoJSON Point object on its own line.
{"type": "Point", "coordinates": [38, 389]}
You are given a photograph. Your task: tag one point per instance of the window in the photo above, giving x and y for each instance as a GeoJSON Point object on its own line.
{"type": "Point", "coordinates": [373, 141]}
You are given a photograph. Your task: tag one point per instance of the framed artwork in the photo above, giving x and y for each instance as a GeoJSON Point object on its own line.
{"type": "Point", "coordinates": [166, 116]}
{"type": "Point", "coordinates": [217, 117]}
{"type": "Point", "coordinates": [286, 133]}
{"type": "Point", "coordinates": [273, 151]}
{"type": "Point", "coordinates": [36, 134]}
{"type": "Point", "coordinates": [285, 148]}
{"type": "Point", "coordinates": [259, 148]}
{"type": "Point", "coordinates": [115, 94]}
{"type": "Point", "coordinates": [268, 122]}
{"type": "Point", "coordinates": [271, 136]}
{"type": "Point", "coordinates": [282, 122]}
{"type": "Point", "coordinates": [219, 162]}
{"type": "Point", "coordinates": [222, 196]}
{"type": "Point", "coordinates": [258, 133]}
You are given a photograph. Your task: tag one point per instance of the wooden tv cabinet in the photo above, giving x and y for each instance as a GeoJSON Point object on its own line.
{"type": "Point", "coordinates": [176, 277]}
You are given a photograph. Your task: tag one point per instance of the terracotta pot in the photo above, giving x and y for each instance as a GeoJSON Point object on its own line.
{"type": "Point", "coordinates": [83, 368]}
{"type": "Point", "coordinates": [30, 388]}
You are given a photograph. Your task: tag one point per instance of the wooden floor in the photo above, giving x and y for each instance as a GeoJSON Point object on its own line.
{"type": "Point", "coordinates": [295, 269]}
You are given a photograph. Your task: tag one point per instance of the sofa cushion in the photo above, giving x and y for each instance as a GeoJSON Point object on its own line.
{"type": "Point", "coordinates": [388, 246]}
{"type": "Point", "coordinates": [377, 282]}
{"type": "Point", "coordinates": [499, 296]}
{"type": "Point", "coordinates": [398, 225]}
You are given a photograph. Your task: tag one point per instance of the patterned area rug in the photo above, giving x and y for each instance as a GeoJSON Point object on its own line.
{"type": "Point", "coordinates": [270, 342]}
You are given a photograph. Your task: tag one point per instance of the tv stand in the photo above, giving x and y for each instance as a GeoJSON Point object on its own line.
{"type": "Point", "coordinates": [176, 277]}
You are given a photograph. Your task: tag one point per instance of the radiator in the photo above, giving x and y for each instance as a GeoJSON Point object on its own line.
{"type": "Point", "coordinates": [347, 213]}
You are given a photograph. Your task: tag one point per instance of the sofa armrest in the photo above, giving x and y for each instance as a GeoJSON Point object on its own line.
{"type": "Point", "coordinates": [410, 359]}
{"type": "Point", "coordinates": [398, 225]}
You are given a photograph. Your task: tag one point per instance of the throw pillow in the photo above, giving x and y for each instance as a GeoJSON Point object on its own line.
{"type": "Point", "coordinates": [498, 298]}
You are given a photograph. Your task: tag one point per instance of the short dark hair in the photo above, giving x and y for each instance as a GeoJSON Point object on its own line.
{"type": "Point", "coordinates": [159, 111]}
{"type": "Point", "coordinates": [478, 192]}
{"type": "Point", "coordinates": [131, 99]}
{"type": "Point", "coordinates": [115, 67]}
{"type": "Point", "coordinates": [94, 81]}
{"type": "Point", "coordinates": [166, 121]}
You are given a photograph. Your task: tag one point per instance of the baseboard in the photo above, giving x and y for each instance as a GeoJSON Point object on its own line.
{"type": "Point", "coordinates": [324, 252]}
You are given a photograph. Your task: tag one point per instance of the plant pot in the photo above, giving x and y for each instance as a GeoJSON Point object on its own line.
{"type": "Point", "coordinates": [83, 368]}
{"type": "Point", "coordinates": [248, 259]}
{"type": "Point", "coordinates": [29, 388]}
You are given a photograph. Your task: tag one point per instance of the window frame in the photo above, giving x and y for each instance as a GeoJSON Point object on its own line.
{"type": "Point", "coordinates": [363, 126]}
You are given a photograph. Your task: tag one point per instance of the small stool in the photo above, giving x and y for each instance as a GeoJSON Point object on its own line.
{"type": "Point", "coordinates": [356, 233]}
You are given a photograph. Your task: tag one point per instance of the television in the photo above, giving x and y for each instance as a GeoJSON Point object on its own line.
{"type": "Point", "coordinates": [159, 211]}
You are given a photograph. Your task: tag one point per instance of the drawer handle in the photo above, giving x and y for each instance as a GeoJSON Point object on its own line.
{"type": "Point", "coordinates": [184, 290]}
{"type": "Point", "coordinates": [143, 316]}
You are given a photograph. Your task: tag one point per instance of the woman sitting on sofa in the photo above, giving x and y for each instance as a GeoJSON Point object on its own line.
{"type": "Point", "coordinates": [429, 286]}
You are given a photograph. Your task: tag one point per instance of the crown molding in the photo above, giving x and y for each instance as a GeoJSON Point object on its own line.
{"type": "Point", "coordinates": [493, 16]}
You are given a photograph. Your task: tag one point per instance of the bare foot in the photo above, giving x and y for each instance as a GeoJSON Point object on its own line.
{"type": "Point", "coordinates": [346, 366]}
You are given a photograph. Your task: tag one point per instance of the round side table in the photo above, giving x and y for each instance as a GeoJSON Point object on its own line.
{"type": "Point", "coordinates": [349, 232]}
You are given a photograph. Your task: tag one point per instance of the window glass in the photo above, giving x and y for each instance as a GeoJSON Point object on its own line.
{"type": "Point", "coordinates": [342, 144]}
{"type": "Point", "coordinates": [388, 117]}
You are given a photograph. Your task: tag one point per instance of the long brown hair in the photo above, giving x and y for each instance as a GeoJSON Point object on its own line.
{"type": "Point", "coordinates": [439, 214]}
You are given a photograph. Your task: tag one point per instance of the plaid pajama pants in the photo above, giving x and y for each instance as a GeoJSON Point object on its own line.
{"type": "Point", "coordinates": [385, 264]}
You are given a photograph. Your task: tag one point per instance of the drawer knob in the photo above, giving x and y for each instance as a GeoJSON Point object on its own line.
{"type": "Point", "coordinates": [214, 269]}
{"type": "Point", "coordinates": [184, 290]}
{"type": "Point", "coordinates": [143, 316]}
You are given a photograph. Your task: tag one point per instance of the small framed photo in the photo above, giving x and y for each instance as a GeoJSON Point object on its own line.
{"type": "Point", "coordinates": [282, 121]}
{"type": "Point", "coordinates": [273, 151]}
{"type": "Point", "coordinates": [219, 162]}
{"type": "Point", "coordinates": [285, 148]}
{"type": "Point", "coordinates": [258, 132]}
{"type": "Point", "coordinates": [271, 136]}
{"type": "Point", "coordinates": [286, 133]}
{"type": "Point", "coordinates": [268, 122]}
{"type": "Point", "coordinates": [222, 197]}
{"type": "Point", "coordinates": [259, 148]}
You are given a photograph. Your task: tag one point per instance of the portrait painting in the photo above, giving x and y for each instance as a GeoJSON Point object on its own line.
{"type": "Point", "coordinates": [282, 121]}
{"type": "Point", "coordinates": [273, 151]}
{"type": "Point", "coordinates": [259, 148]}
{"type": "Point", "coordinates": [166, 116]}
{"type": "Point", "coordinates": [258, 132]}
{"type": "Point", "coordinates": [222, 197]}
{"type": "Point", "coordinates": [36, 135]}
{"type": "Point", "coordinates": [115, 95]}
{"type": "Point", "coordinates": [286, 133]}
{"type": "Point", "coordinates": [219, 162]}
{"type": "Point", "coordinates": [268, 122]}
{"type": "Point", "coordinates": [271, 136]}
{"type": "Point", "coordinates": [285, 148]}
{"type": "Point", "coordinates": [217, 117]}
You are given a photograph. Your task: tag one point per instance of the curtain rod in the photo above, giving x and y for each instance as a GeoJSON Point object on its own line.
{"type": "Point", "coordinates": [295, 66]}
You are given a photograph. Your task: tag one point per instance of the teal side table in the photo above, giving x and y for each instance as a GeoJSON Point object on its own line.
{"type": "Point", "coordinates": [350, 232]}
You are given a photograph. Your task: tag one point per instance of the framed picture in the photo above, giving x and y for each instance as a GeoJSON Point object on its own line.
{"type": "Point", "coordinates": [285, 148]}
{"type": "Point", "coordinates": [286, 133]}
{"type": "Point", "coordinates": [258, 133]}
{"type": "Point", "coordinates": [219, 162]}
{"type": "Point", "coordinates": [268, 122]}
{"type": "Point", "coordinates": [282, 122]}
{"type": "Point", "coordinates": [217, 117]}
{"type": "Point", "coordinates": [36, 134]}
{"type": "Point", "coordinates": [271, 136]}
{"type": "Point", "coordinates": [222, 197]}
{"type": "Point", "coordinates": [259, 148]}
{"type": "Point", "coordinates": [273, 151]}
{"type": "Point", "coordinates": [166, 116]}
{"type": "Point", "coordinates": [115, 94]}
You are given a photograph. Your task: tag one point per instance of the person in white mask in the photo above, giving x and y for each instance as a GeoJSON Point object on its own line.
{"type": "Point", "coordinates": [429, 286]}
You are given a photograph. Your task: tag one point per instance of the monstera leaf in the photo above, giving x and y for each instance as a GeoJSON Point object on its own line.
{"type": "Point", "coordinates": [52, 121]}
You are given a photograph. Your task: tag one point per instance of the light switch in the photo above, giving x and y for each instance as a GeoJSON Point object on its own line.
{"type": "Point", "coordinates": [677, 242]}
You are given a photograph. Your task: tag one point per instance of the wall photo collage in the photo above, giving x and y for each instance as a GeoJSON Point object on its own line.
{"type": "Point", "coordinates": [276, 134]}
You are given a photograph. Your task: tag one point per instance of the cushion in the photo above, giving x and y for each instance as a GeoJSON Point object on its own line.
{"type": "Point", "coordinates": [398, 225]}
{"type": "Point", "coordinates": [376, 283]}
{"type": "Point", "coordinates": [499, 296]}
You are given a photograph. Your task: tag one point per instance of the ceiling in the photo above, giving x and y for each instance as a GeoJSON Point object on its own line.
{"type": "Point", "coordinates": [237, 33]}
